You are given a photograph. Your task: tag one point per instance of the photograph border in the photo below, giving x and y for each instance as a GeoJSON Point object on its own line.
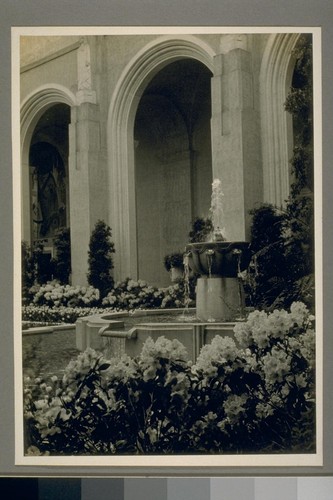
{"type": "Point", "coordinates": [8, 466]}
{"type": "Point", "coordinates": [208, 460]}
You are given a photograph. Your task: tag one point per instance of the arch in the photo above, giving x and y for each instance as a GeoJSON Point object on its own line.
{"type": "Point", "coordinates": [36, 103]}
{"type": "Point", "coordinates": [275, 80]}
{"type": "Point", "coordinates": [122, 110]}
{"type": "Point", "coordinates": [32, 108]}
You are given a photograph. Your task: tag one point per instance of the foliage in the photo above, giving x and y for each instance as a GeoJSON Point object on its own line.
{"type": "Point", "coordinates": [299, 104]}
{"type": "Point", "coordinates": [62, 261]}
{"type": "Point", "coordinates": [267, 273]}
{"type": "Point", "coordinates": [54, 302]}
{"type": "Point", "coordinates": [279, 272]}
{"type": "Point", "coordinates": [34, 270]}
{"type": "Point", "coordinates": [131, 294]}
{"type": "Point", "coordinates": [299, 223]}
{"type": "Point", "coordinates": [201, 229]}
{"type": "Point", "coordinates": [180, 294]}
{"type": "Point", "coordinates": [100, 259]}
{"type": "Point", "coordinates": [60, 314]}
{"type": "Point", "coordinates": [252, 394]}
{"type": "Point", "coordinates": [28, 271]}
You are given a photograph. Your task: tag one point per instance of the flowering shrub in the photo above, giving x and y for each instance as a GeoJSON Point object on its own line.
{"type": "Point", "coordinates": [94, 407]}
{"type": "Point", "coordinates": [61, 314]}
{"type": "Point", "coordinates": [175, 296]}
{"type": "Point", "coordinates": [54, 302]}
{"type": "Point", "coordinates": [253, 392]}
{"type": "Point", "coordinates": [131, 294]}
{"type": "Point", "coordinates": [55, 294]}
{"type": "Point", "coordinates": [266, 381]}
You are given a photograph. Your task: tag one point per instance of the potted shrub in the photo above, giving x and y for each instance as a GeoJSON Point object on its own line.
{"type": "Point", "coordinates": [173, 263]}
{"type": "Point", "coordinates": [201, 229]}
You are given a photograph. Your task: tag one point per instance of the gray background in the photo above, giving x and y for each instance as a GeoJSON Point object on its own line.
{"type": "Point", "coordinates": [145, 13]}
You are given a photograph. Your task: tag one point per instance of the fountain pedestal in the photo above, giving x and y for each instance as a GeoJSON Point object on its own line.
{"type": "Point", "coordinates": [219, 294]}
{"type": "Point", "coordinates": [219, 299]}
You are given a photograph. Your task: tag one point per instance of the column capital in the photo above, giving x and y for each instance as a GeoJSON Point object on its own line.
{"type": "Point", "coordinates": [234, 41]}
{"type": "Point", "coordinates": [86, 95]}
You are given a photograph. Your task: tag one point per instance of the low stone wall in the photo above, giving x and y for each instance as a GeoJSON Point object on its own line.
{"type": "Point", "coordinates": [109, 333]}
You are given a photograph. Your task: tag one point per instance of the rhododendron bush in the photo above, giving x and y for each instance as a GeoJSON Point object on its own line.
{"type": "Point", "coordinates": [55, 302]}
{"type": "Point", "coordinates": [254, 392]}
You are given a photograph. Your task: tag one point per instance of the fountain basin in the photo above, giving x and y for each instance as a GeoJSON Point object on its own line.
{"type": "Point", "coordinates": [122, 332]}
{"type": "Point", "coordinates": [218, 258]}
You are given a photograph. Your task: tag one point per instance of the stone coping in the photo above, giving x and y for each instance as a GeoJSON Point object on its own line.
{"type": "Point", "coordinates": [48, 329]}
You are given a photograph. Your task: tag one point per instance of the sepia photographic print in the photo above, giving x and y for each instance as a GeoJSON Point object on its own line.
{"type": "Point", "coordinates": [167, 246]}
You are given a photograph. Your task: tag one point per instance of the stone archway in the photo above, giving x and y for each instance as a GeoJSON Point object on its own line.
{"type": "Point", "coordinates": [122, 113]}
{"type": "Point", "coordinates": [32, 110]}
{"type": "Point", "coordinates": [276, 125]}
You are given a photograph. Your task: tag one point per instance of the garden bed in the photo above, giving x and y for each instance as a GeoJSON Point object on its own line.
{"type": "Point", "coordinates": [252, 394]}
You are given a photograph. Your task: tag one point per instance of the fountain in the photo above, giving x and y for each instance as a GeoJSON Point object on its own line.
{"type": "Point", "coordinates": [219, 298]}
{"type": "Point", "coordinates": [220, 295]}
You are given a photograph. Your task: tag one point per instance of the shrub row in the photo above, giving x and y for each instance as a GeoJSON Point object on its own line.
{"type": "Point", "coordinates": [65, 303]}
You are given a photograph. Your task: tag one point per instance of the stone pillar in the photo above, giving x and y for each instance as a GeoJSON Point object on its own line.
{"type": "Point", "coordinates": [236, 133]}
{"type": "Point", "coordinates": [84, 182]}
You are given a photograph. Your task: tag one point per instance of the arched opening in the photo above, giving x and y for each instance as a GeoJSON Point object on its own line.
{"type": "Point", "coordinates": [276, 125]}
{"type": "Point", "coordinates": [49, 180]}
{"type": "Point", "coordinates": [173, 162]}
{"type": "Point", "coordinates": [133, 82]}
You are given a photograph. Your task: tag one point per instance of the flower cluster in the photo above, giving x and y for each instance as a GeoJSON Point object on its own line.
{"type": "Point", "coordinates": [221, 354]}
{"type": "Point", "coordinates": [131, 294]}
{"type": "Point", "coordinates": [61, 314]}
{"type": "Point", "coordinates": [243, 394]}
{"type": "Point", "coordinates": [54, 293]}
{"type": "Point", "coordinates": [154, 355]}
{"type": "Point", "coordinates": [174, 296]}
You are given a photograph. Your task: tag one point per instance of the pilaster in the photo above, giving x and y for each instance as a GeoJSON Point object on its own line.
{"type": "Point", "coordinates": [236, 145]}
{"type": "Point", "coordinates": [86, 184]}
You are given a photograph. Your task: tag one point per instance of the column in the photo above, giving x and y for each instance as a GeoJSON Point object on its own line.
{"type": "Point", "coordinates": [236, 133]}
{"type": "Point", "coordinates": [87, 185]}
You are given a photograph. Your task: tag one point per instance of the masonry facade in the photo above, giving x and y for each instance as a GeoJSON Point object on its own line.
{"type": "Point", "coordinates": [133, 129]}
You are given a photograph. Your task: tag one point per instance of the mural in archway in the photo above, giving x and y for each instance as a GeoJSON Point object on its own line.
{"type": "Point", "coordinates": [48, 190]}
